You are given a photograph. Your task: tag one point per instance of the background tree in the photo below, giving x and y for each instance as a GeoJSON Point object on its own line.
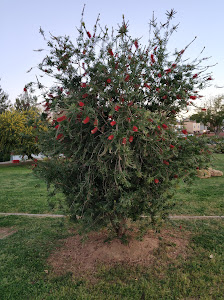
{"type": "Point", "coordinates": [25, 102]}
{"type": "Point", "coordinates": [114, 107]}
{"type": "Point", "coordinates": [212, 114]}
{"type": "Point", "coordinates": [4, 101]}
{"type": "Point", "coordinates": [19, 132]}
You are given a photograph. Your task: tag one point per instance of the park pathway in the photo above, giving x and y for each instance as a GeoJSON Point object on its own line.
{"type": "Point", "coordinates": [171, 217]}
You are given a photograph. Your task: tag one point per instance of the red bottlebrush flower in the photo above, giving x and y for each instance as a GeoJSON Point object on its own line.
{"type": "Point", "coordinates": [124, 141]}
{"type": "Point", "coordinates": [60, 119]}
{"type": "Point", "coordinates": [184, 131]}
{"type": "Point", "coordinates": [155, 48]}
{"type": "Point", "coordinates": [110, 52]}
{"type": "Point", "coordinates": [113, 123]}
{"type": "Point", "coordinates": [156, 180]}
{"type": "Point", "coordinates": [108, 80]}
{"type": "Point", "coordinates": [135, 128]}
{"type": "Point", "coordinates": [168, 71]}
{"type": "Point", "coordinates": [178, 97]}
{"type": "Point", "coordinates": [181, 52]}
{"type": "Point", "coordinates": [152, 58]}
{"type": "Point", "coordinates": [131, 139]}
{"type": "Point", "coordinates": [171, 146]}
{"type": "Point", "coordinates": [165, 97]}
{"type": "Point", "coordinates": [159, 75]}
{"type": "Point", "coordinates": [59, 136]}
{"type": "Point", "coordinates": [174, 65]}
{"type": "Point", "coordinates": [130, 103]}
{"type": "Point", "coordinates": [56, 127]}
{"type": "Point", "coordinates": [147, 85]}
{"type": "Point", "coordinates": [197, 168]}
{"type": "Point", "coordinates": [193, 97]}
{"type": "Point", "coordinates": [110, 117]}
{"type": "Point", "coordinates": [88, 33]}
{"type": "Point", "coordinates": [166, 162]}
{"type": "Point", "coordinates": [209, 78]}
{"type": "Point", "coordinates": [25, 90]}
{"type": "Point", "coordinates": [157, 89]}
{"type": "Point", "coordinates": [83, 84]}
{"type": "Point", "coordinates": [175, 176]}
{"type": "Point", "coordinates": [164, 126]}
{"type": "Point", "coordinates": [195, 76]}
{"type": "Point", "coordinates": [84, 52]}
{"type": "Point", "coordinates": [150, 120]}
{"type": "Point", "coordinates": [85, 95]}
{"type": "Point", "coordinates": [110, 137]}
{"type": "Point", "coordinates": [117, 108]}
{"type": "Point", "coordinates": [81, 104]}
{"type": "Point", "coordinates": [136, 44]}
{"type": "Point", "coordinates": [127, 77]}
{"type": "Point", "coordinates": [95, 123]}
{"type": "Point", "coordinates": [94, 130]}
{"type": "Point", "coordinates": [204, 109]}
{"type": "Point", "coordinates": [86, 120]}
{"type": "Point", "coordinates": [180, 227]}
{"type": "Point", "coordinates": [129, 119]}
{"type": "Point", "coordinates": [116, 66]}
{"type": "Point", "coordinates": [159, 127]}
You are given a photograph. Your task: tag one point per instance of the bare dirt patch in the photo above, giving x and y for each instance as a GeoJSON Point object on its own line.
{"type": "Point", "coordinates": [81, 258]}
{"type": "Point", "coordinates": [6, 231]}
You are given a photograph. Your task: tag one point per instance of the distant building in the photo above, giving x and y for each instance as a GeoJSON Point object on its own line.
{"type": "Point", "coordinates": [191, 126]}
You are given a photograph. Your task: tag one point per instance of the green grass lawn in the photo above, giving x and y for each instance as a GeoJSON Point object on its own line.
{"type": "Point", "coordinates": [25, 273]}
{"type": "Point", "coordinates": [21, 191]}
{"type": "Point", "coordinates": [203, 196]}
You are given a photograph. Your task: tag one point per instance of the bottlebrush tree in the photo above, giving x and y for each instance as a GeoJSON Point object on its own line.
{"type": "Point", "coordinates": [111, 144]}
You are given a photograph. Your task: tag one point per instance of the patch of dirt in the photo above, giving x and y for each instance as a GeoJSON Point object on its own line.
{"type": "Point", "coordinates": [81, 258]}
{"type": "Point", "coordinates": [6, 231]}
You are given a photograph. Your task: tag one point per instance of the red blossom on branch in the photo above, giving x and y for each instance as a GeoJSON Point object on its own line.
{"type": "Point", "coordinates": [60, 119]}
{"type": "Point", "coordinates": [59, 136]}
{"type": "Point", "coordinates": [89, 34]}
{"type": "Point", "coordinates": [110, 138]}
{"type": "Point", "coordinates": [86, 120]}
{"type": "Point", "coordinates": [135, 128]}
{"type": "Point", "coordinates": [164, 126]}
{"type": "Point", "coordinates": [94, 130]}
{"type": "Point", "coordinates": [124, 141]}
{"type": "Point", "coordinates": [184, 131]}
{"type": "Point", "coordinates": [113, 123]}
{"type": "Point", "coordinates": [85, 95]}
{"type": "Point", "coordinates": [81, 104]}
{"type": "Point", "coordinates": [156, 180]}
{"type": "Point", "coordinates": [131, 139]}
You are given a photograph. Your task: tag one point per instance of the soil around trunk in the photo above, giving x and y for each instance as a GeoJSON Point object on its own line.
{"type": "Point", "coordinates": [81, 258]}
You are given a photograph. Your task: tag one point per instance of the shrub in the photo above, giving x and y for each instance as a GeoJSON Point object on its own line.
{"type": "Point", "coordinates": [111, 144]}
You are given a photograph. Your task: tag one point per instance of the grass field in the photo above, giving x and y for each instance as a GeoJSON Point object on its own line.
{"type": "Point", "coordinates": [21, 191]}
{"type": "Point", "coordinates": [26, 274]}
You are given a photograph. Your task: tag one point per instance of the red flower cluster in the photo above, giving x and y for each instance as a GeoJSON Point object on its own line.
{"type": "Point", "coordinates": [131, 139]}
{"type": "Point", "coordinates": [88, 33]}
{"type": "Point", "coordinates": [111, 137]}
{"type": "Point", "coordinates": [25, 90]}
{"type": "Point", "coordinates": [86, 120]}
{"type": "Point", "coordinates": [193, 97]}
{"type": "Point", "coordinates": [195, 75]}
{"type": "Point", "coordinates": [94, 130]}
{"type": "Point", "coordinates": [124, 141]}
{"type": "Point", "coordinates": [152, 58]}
{"type": "Point", "coordinates": [135, 128]}
{"type": "Point", "coordinates": [108, 80]}
{"type": "Point", "coordinates": [81, 104]}
{"type": "Point", "coordinates": [113, 123]}
{"type": "Point", "coordinates": [136, 44]}
{"type": "Point", "coordinates": [83, 84]}
{"type": "Point", "coordinates": [110, 52]}
{"type": "Point", "coordinates": [156, 180]}
{"type": "Point", "coordinates": [85, 95]}
{"type": "Point", "coordinates": [60, 119]}
{"type": "Point", "coordinates": [184, 131]}
{"type": "Point", "coordinates": [171, 146]}
{"type": "Point", "coordinates": [59, 136]}
{"type": "Point", "coordinates": [166, 162]}
{"type": "Point", "coordinates": [127, 77]}
{"type": "Point", "coordinates": [164, 126]}
{"type": "Point", "coordinates": [117, 108]}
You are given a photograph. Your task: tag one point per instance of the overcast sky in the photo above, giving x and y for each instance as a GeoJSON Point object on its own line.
{"type": "Point", "coordinates": [20, 22]}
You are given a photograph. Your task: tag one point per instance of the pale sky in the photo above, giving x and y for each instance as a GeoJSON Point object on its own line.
{"type": "Point", "coordinates": [20, 22]}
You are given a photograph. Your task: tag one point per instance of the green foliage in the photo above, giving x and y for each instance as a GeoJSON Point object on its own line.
{"type": "Point", "coordinates": [18, 132]}
{"type": "Point", "coordinates": [111, 145]}
{"type": "Point", "coordinates": [4, 102]}
{"type": "Point", "coordinates": [212, 115]}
